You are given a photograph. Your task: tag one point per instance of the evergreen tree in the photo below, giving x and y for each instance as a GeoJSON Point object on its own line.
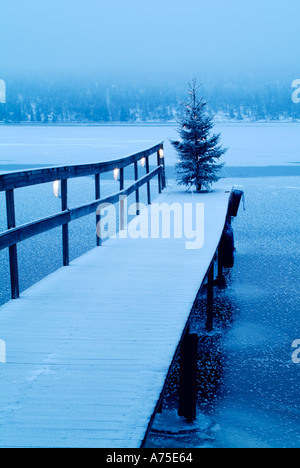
{"type": "Point", "coordinates": [198, 150]}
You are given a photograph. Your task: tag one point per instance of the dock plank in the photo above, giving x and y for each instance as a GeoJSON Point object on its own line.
{"type": "Point", "coordinates": [89, 347]}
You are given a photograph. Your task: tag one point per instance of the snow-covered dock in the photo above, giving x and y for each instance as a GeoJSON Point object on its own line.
{"type": "Point", "coordinates": [88, 348]}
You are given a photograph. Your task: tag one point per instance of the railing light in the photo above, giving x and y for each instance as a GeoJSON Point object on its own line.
{"type": "Point", "coordinates": [143, 161]}
{"type": "Point", "coordinates": [161, 153]}
{"type": "Point", "coordinates": [56, 189]}
{"type": "Point", "coordinates": [117, 174]}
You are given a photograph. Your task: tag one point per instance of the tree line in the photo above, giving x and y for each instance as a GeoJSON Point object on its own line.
{"type": "Point", "coordinates": [68, 100]}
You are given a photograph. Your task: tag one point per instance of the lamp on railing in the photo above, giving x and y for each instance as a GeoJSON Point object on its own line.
{"type": "Point", "coordinates": [117, 174]}
{"type": "Point", "coordinates": [143, 162]}
{"type": "Point", "coordinates": [161, 153]}
{"type": "Point", "coordinates": [57, 188]}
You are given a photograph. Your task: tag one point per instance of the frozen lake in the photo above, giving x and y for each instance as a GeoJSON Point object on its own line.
{"type": "Point", "coordinates": [248, 384]}
{"type": "Point", "coordinates": [250, 393]}
{"type": "Point", "coordinates": [250, 144]}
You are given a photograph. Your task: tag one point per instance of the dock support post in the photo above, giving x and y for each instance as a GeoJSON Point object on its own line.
{"type": "Point", "coordinates": [13, 254]}
{"type": "Point", "coordinates": [188, 377]}
{"type": "Point", "coordinates": [210, 299]}
{"type": "Point", "coordinates": [221, 277]}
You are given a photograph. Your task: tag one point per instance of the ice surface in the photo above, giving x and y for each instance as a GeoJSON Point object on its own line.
{"type": "Point", "coordinates": [250, 144]}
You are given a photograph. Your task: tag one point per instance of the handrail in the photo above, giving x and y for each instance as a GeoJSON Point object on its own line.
{"type": "Point", "coordinates": [11, 181]}
{"type": "Point", "coordinates": [19, 179]}
{"type": "Point", "coordinates": [26, 231]}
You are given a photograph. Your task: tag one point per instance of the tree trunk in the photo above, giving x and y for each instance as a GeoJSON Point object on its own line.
{"type": "Point", "coordinates": [198, 186]}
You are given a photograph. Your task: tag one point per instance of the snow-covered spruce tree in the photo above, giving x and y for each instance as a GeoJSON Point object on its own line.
{"type": "Point", "coordinates": [198, 150]}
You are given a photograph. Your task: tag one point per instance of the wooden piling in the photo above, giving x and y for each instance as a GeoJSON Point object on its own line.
{"type": "Point", "coordinates": [221, 278]}
{"type": "Point", "coordinates": [210, 299]}
{"type": "Point", "coordinates": [188, 377]}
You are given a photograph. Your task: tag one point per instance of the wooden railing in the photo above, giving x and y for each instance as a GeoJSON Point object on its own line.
{"type": "Point", "coordinates": [11, 181]}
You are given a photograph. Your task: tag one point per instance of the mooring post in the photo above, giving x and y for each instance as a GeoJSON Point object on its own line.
{"type": "Point", "coordinates": [188, 377]}
{"type": "Point", "coordinates": [210, 299]}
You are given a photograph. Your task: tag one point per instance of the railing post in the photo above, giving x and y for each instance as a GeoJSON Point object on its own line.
{"type": "Point", "coordinates": [137, 192]}
{"type": "Point", "coordinates": [97, 196]}
{"type": "Point", "coordinates": [122, 217]}
{"type": "Point", "coordinates": [148, 183]}
{"type": "Point", "coordinates": [188, 377]}
{"type": "Point", "coordinates": [13, 254]}
{"type": "Point", "coordinates": [121, 178]}
{"type": "Point", "coordinates": [160, 173]}
{"type": "Point", "coordinates": [162, 162]}
{"type": "Point", "coordinates": [65, 228]}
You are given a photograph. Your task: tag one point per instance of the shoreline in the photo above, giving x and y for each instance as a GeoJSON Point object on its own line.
{"type": "Point", "coordinates": [236, 123]}
{"type": "Point", "coordinates": [290, 170]}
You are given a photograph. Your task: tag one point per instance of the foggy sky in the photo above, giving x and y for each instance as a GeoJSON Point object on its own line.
{"type": "Point", "coordinates": [161, 37]}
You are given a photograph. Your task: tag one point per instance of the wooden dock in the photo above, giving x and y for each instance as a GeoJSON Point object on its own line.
{"type": "Point", "coordinates": [89, 348]}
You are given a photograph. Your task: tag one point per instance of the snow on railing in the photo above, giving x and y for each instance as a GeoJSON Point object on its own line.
{"type": "Point", "coordinates": [59, 176]}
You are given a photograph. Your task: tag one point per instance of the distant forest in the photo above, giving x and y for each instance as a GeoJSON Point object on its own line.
{"type": "Point", "coordinates": [86, 100]}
